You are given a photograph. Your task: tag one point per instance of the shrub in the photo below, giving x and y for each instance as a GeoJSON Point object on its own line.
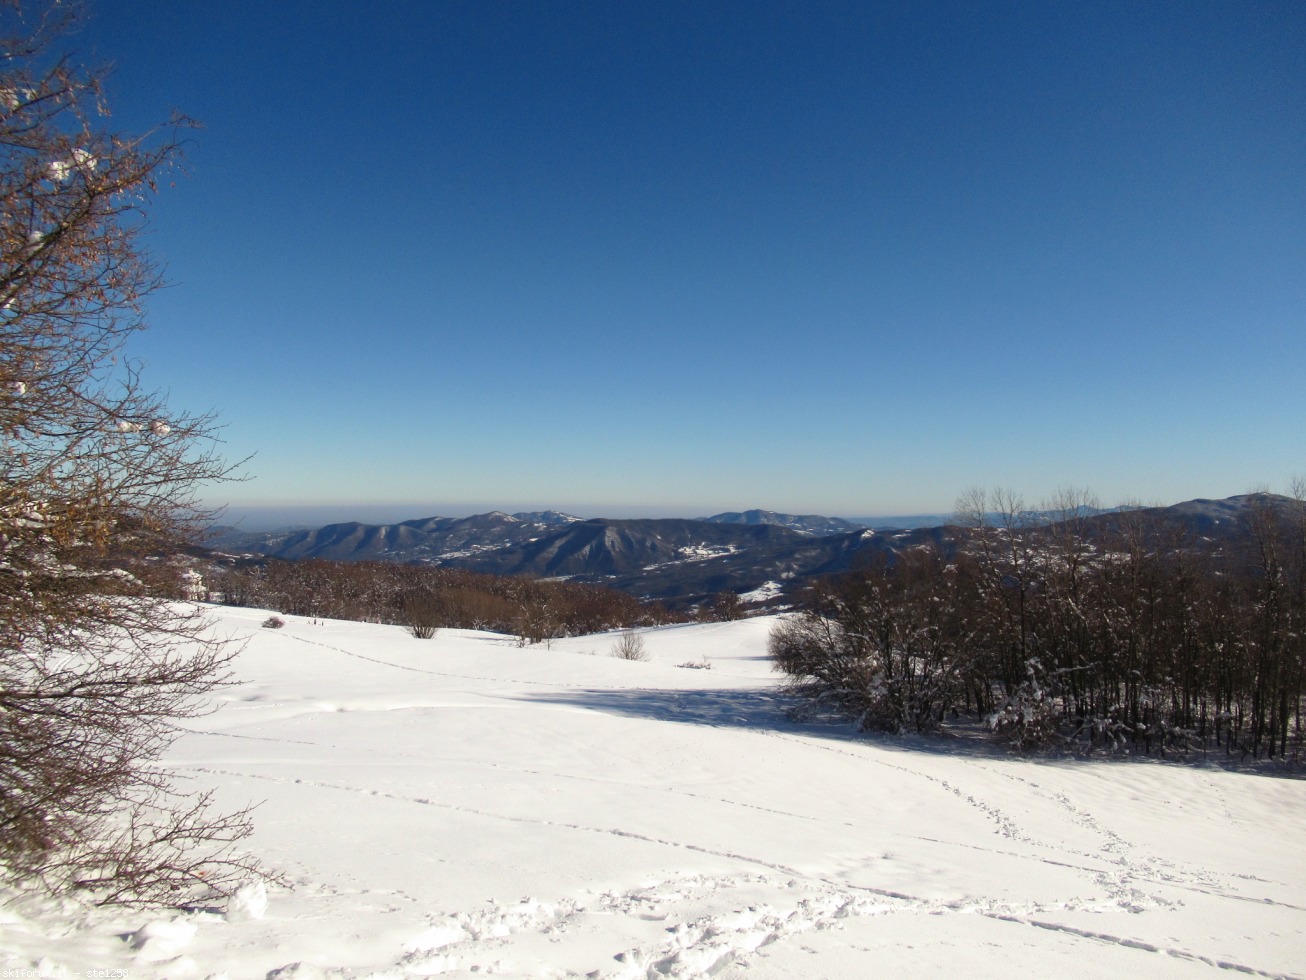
{"type": "Point", "coordinates": [630, 646]}
{"type": "Point", "coordinates": [423, 613]}
{"type": "Point", "coordinates": [727, 607]}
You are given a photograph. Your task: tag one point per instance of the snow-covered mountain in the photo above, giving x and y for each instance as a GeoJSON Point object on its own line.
{"type": "Point", "coordinates": [683, 562]}
{"type": "Point", "coordinates": [679, 561]}
{"type": "Point", "coordinates": [424, 539]}
{"type": "Point", "coordinates": [463, 807]}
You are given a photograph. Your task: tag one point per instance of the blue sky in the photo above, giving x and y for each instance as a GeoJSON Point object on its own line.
{"type": "Point", "coordinates": [619, 258]}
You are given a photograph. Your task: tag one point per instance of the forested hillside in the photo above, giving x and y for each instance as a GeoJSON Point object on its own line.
{"type": "Point", "coordinates": [426, 599]}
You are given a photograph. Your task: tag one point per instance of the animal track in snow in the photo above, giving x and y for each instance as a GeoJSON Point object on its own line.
{"type": "Point", "coordinates": [696, 943]}
{"type": "Point", "coordinates": [434, 673]}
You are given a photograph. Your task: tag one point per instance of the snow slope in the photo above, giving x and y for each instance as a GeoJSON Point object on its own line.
{"type": "Point", "coordinates": [462, 807]}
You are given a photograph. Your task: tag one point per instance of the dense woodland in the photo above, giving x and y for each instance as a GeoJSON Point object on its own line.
{"type": "Point", "coordinates": [425, 599]}
{"type": "Point", "coordinates": [1119, 633]}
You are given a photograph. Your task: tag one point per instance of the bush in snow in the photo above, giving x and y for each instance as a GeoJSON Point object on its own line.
{"type": "Point", "coordinates": [630, 646]}
{"type": "Point", "coordinates": [423, 614]}
{"type": "Point", "coordinates": [1028, 717]}
{"type": "Point", "coordinates": [878, 646]}
{"type": "Point", "coordinates": [727, 606]}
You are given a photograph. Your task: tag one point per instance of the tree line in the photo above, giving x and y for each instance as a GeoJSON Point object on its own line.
{"type": "Point", "coordinates": [1118, 632]}
{"type": "Point", "coordinates": [425, 598]}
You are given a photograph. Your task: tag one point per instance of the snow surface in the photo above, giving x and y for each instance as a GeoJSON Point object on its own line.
{"type": "Point", "coordinates": [462, 807]}
{"type": "Point", "coordinates": [764, 592]}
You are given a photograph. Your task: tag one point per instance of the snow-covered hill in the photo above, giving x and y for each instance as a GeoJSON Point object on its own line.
{"type": "Point", "coordinates": [462, 807]}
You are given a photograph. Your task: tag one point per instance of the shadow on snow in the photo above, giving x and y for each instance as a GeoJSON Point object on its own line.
{"type": "Point", "coordinates": [759, 710]}
{"type": "Point", "coordinates": [773, 711]}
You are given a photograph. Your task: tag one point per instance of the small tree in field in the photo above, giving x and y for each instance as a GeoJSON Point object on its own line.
{"type": "Point", "coordinates": [423, 614]}
{"type": "Point", "coordinates": [96, 476]}
{"type": "Point", "coordinates": [727, 606]}
{"type": "Point", "coordinates": [630, 646]}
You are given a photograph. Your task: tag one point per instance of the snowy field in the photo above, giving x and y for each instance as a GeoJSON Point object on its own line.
{"type": "Point", "coordinates": [462, 807]}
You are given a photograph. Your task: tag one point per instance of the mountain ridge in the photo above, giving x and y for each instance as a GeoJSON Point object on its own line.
{"type": "Point", "coordinates": [682, 561]}
{"type": "Point", "coordinates": [814, 524]}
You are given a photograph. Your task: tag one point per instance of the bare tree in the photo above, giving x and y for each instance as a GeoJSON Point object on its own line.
{"type": "Point", "coordinates": [96, 475]}
{"type": "Point", "coordinates": [630, 646]}
{"type": "Point", "coordinates": [1001, 538]}
{"type": "Point", "coordinates": [881, 644]}
{"type": "Point", "coordinates": [423, 614]}
{"type": "Point", "coordinates": [727, 606]}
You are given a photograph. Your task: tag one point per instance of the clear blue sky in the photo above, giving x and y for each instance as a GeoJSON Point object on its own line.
{"type": "Point", "coordinates": [845, 258]}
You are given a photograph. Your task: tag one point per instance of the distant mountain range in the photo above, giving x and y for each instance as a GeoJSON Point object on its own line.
{"type": "Point", "coordinates": [436, 539]}
{"type": "Point", "coordinates": [815, 524]}
{"type": "Point", "coordinates": [805, 524]}
{"type": "Point", "coordinates": [678, 561]}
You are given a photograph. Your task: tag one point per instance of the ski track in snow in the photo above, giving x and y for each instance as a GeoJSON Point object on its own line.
{"type": "Point", "coordinates": [433, 673]}
{"type": "Point", "coordinates": [512, 818]}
